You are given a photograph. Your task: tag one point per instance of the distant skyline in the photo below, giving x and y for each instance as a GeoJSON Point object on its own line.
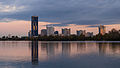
{"type": "Point", "coordinates": [15, 15]}
{"type": "Point", "coordinates": [21, 28]}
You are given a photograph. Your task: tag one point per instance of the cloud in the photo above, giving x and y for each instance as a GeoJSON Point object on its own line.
{"type": "Point", "coordinates": [10, 8]}
{"type": "Point", "coordinates": [79, 12]}
{"type": "Point", "coordinates": [7, 20]}
{"type": "Point", "coordinates": [7, 8]}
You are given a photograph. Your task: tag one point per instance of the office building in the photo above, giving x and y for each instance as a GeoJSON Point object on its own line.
{"type": "Point", "coordinates": [89, 34]}
{"type": "Point", "coordinates": [50, 30]}
{"type": "Point", "coordinates": [66, 32]}
{"type": "Point", "coordinates": [34, 26]}
{"type": "Point", "coordinates": [102, 29]}
{"type": "Point", "coordinates": [81, 32]}
{"type": "Point", "coordinates": [43, 32]}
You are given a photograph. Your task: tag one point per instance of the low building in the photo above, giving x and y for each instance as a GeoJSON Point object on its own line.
{"type": "Point", "coordinates": [81, 32]}
{"type": "Point", "coordinates": [66, 32]}
{"type": "Point", "coordinates": [43, 32]}
{"type": "Point", "coordinates": [89, 34]}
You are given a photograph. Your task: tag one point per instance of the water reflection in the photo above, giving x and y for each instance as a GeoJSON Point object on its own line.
{"type": "Point", "coordinates": [61, 53]}
{"type": "Point", "coordinates": [34, 52]}
{"type": "Point", "coordinates": [48, 50]}
{"type": "Point", "coordinates": [102, 48]}
{"type": "Point", "coordinates": [66, 48]}
{"type": "Point", "coordinates": [55, 49]}
{"type": "Point", "coordinates": [109, 48]}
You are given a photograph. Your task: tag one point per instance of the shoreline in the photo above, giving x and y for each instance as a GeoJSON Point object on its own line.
{"type": "Point", "coordinates": [61, 41]}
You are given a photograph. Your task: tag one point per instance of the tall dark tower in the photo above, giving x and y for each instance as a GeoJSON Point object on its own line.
{"type": "Point", "coordinates": [34, 26]}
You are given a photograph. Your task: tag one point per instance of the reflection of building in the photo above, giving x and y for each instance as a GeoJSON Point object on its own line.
{"type": "Point", "coordinates": [73, 49]}
{"type": "Point", "coordinates": [114, 48]}
{"type": "Point", "coordinates": [50, 30]}
{"type": "Point", "coordinates": [66, 48]}
{"type": "Point", "coordinates": [102, 29]}
{"type": "Point", "coordinates": [81, 32]}
{"type": "Point", "coordinates": [49, 50]}
{"type": "Point", "coordinates": [43, 49]}
{"type": "Point", "coordinates": [34, 26]}
{"type": "Point", "coordinates": [102, 48]}
{"type": "Point", "coordinates": [43, 32]}
{"type": "Point", "coordinates": [109, 48]}
{"type": "Point", "coordinates": [81, 47]}
{"type": "Point", "coordinates": [34, 52]}
{"type": "Point", "coordinates": [66, 32]}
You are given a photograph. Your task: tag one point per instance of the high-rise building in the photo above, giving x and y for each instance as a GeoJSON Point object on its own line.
{"type": "Point", "coordinates": [43, 32]}
{"type": "Point", "coordinates": [102, 29]}
{"type": "Point", "coordinates": [66, 32]}
{"type": "Point", "coordinates": [50, 30]}
{"type": "Point", "coordinates": [34, 26]}
{"type": "Point", "coordinates": [81, 32]}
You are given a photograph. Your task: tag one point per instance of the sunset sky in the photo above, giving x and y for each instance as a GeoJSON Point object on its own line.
{"type": "Point", "coordinates": [15, 15]}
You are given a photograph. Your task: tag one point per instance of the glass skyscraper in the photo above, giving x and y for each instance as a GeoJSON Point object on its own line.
{"type": "Point", "coordinates": [102, 29]}
{"type": "Point", "coordinates": [34, 26]}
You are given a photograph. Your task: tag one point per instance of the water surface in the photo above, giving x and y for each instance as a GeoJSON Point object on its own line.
{"type": "Point", "coordinates": [59, 54]}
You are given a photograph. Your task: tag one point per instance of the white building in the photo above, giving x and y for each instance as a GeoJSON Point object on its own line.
{"type": "Point", "coordinates": [50, 30]}
{"type": "Point", "coordinates": [66, 32]}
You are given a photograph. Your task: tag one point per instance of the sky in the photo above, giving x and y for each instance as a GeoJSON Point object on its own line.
{"type": "Point", "coordinates": [15, 15]}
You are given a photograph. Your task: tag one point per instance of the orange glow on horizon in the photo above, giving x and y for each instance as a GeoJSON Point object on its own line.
{"type": "Point", "coordinates": [21, 28]}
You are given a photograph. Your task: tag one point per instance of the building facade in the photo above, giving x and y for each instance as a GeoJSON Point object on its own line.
{"type": "Point", "coordinates": [81, 32]}
{"type": "Point", "coordinates": [50, 30]}
{"type": "Point", "coordinates": [43, 32]}
{"type": "Point", "coordinates": [102, 29]}
{"type": "Point", "coordinates": [66, 32]}
{"type": "Point", "coordinates": [34, 25]}
{"type": "Point", "coordinates": [89, 34]}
